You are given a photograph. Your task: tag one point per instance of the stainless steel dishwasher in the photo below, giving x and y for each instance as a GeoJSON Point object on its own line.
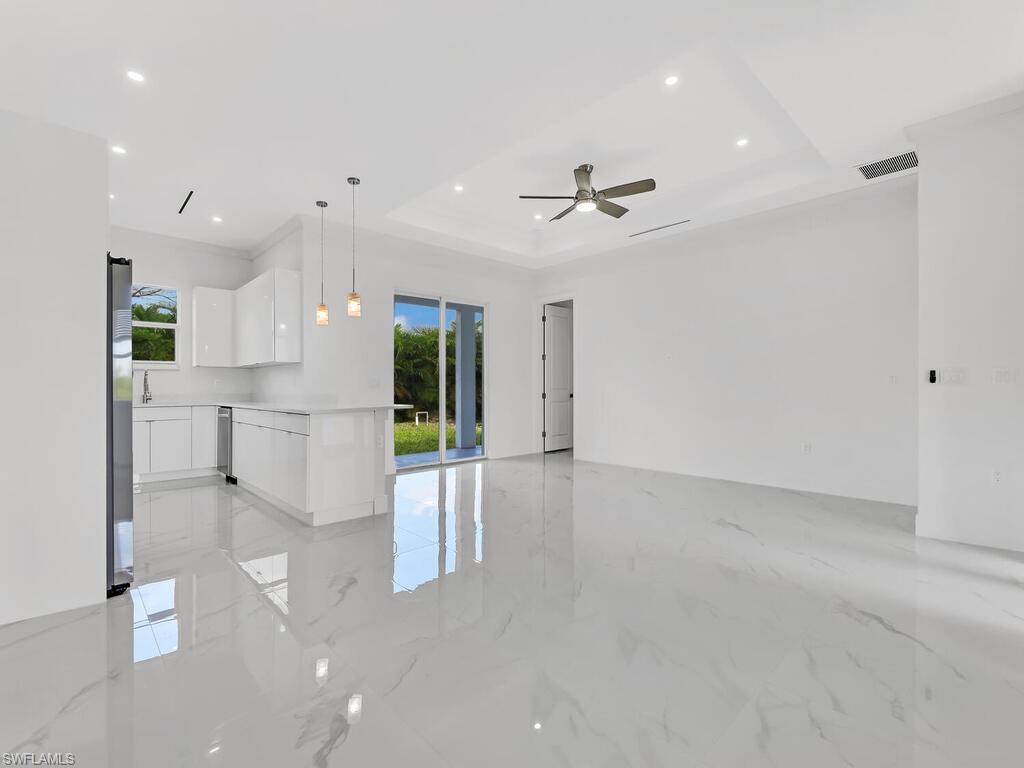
{"type": "Point", "coordinates": [224, 444]}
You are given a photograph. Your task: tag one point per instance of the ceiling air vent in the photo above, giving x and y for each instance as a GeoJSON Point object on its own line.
{"type": "Point", "coordinates": [895, 164]}
{"type": "Point", "coordinates": [663, 226]}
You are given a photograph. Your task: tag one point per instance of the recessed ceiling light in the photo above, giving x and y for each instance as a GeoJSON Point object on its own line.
{"type": "Point", "coordinates": [458, 187]}
{"type": "Point", "coordinates": [118, 150]}
{"type": "Point", "coordinates": [742, 141]}
{"type": "Point", "coordinates": [671, 79]}
{"type": "Point", "coordinates": [537, 216]}
{"type": "Point", "coordinates": [536, 726]}
{"type": "Point", "coordinates": [217, 219]}
{"type": "Point", "coordinates": [136, 77]}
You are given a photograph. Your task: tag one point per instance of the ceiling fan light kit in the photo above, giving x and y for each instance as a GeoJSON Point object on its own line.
{"type": "Point", "coordinates": [588, 199]}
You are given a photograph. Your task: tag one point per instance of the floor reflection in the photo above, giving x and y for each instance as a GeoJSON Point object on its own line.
{"type": "Point", "coordinates": [441, 506]}
{"type": "Point", "coordinates": [537, 611]}
{"type": "Point", "coordinates": [155, 627]}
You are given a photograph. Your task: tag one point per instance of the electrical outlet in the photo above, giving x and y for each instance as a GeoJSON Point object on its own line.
{"type": "Point", "coordinates": [380, 441]}
{"type": "Point", "coordinates": [893, 380]}
{"type": "Point", "coordinates": [1002, 376]}
{"type": "Point", "coordinates": [997, 476]}
{"type": "Point", "coordinates": [805, 447]}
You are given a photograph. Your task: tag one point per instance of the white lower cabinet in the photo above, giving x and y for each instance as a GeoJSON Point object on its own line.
{"type": "Point", "coordinates": [140, 447]}
{"type": "Point", "coordinates": [204, 436]}
{"type": "Point", "coordinates": [271, 460]}
{"type": "Point", "coordinates": [241, 461]}
{"type": "Point", "coordinates": [289, 473]}
{"type": "Point", "coordinates": [170, 445]}
{"type": "Point", "coordinates": [174, 438]}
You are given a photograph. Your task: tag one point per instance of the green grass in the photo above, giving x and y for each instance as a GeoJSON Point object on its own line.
{"type": "Point", "coordinates": [410, 438]}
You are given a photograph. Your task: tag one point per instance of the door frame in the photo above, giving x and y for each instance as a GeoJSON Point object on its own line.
{"type": "Point", "coordinates": [554, 299]}
{"type": "Point", "coordinates": [442, 383]}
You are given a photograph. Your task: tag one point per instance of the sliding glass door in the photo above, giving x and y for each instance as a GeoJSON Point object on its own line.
{"type": "Point", "coordinates": [464, 380]}
{"type": "Point", "coordinates": [439, 371]}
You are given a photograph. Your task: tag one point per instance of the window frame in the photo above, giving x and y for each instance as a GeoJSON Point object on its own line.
{"type": "Point", "coordinates": [163, 365]}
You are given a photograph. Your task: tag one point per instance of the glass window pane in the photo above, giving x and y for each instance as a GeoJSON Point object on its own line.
{"type": "Point", "coordinates": [153, 345]}
{"type": "Point", "coordinates": [152, 304]}
{"type": "Point", "coordinates": [417, 377]}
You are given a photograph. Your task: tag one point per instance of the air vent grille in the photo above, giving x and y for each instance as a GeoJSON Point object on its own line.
{"type": "Point", "coordinates": [895, 164]}
{"type": "Point", "coordinates": [663, 226]}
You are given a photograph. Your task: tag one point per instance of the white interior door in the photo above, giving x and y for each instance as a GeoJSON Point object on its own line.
{"type": "Point", "coordinates": [557, 378]}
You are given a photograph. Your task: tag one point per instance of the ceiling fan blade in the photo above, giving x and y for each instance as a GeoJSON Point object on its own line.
{"type": "Point", "coordinates": [633, 188]}
{"type": "Point", "coordinates": [546, 197]}
{"type": "Point", "coordinates": [583, 179]}
{"type": "Point", "coordinates": [570, 209]}
{"type": "Point", "coordinates": [612, 209]}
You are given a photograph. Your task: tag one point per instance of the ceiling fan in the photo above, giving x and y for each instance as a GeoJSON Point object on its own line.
{"type": "Point", "coordinates": [587, 198]}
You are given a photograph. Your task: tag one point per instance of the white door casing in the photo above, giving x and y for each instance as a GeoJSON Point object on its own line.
{"type": "Point", "coordinates": [557, 378]}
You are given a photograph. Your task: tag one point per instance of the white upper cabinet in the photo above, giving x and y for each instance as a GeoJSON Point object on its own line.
{"type": "Point", "coordinates": [287, 316]}
{"type": "Point", "coordinates": [213, 326]}
{"type": "Point", "coordinates": [254, 321]}
{"type": "Point", "coordinates": [257, 324]}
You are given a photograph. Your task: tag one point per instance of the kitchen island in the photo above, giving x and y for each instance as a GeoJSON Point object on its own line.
{"type": "Point", "coordinates": [320, 464]}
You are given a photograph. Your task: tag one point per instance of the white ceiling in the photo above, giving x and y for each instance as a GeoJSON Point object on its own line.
{"type": "Point", "coordinates": [264, 106]}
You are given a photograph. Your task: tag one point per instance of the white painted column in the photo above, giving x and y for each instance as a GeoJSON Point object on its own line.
{"type": "Point", "coordinates": [465, 377]}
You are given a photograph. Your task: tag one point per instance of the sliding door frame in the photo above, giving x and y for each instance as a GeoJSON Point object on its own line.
{"type": "Point", "coordinates": [442, 375]}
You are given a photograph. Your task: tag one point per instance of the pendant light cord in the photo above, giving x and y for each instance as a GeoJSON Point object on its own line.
{"type": "Point", "coordinates": [321, 255]}
{"type": "Point", "coordinates": [353, 238]}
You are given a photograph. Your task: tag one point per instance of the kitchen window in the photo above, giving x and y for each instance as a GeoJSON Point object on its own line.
{"type": "Point", "coordinates": [154, 326]}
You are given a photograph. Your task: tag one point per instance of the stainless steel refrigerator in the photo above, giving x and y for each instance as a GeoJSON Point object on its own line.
{"type": "Point", "coordinates": [120, 501]}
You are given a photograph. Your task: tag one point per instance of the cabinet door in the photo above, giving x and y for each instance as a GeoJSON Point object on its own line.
{"type": "Point", "coordinates": [254, 321]}
{"type": "Point", "coordinates": [244, 332]}
{"type": "Point", "coordinates": [140, 447]}
{"type": "Point", "coordinates": [213, 326]}
{"type": "Point", "coordinates": [204, 436]}
{"type": "Point", "coordinates": [240, 461]}
{"type": "Point", "coordinates": [290, 468]}
{"type": "Point", "coordinates": [287, 316]}
{"type": "Point", "coordinates": [170, 445]}
{"type": "Point", "coordinates": [262, 448]}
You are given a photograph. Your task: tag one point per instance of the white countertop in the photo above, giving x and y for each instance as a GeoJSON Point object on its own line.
{"type": "Point", "coordinates": [281, 407]}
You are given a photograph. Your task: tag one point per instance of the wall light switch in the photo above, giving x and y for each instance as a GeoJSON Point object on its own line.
{"type": "Point", "coordinates": [805, 447]}
{"type": "Point", "coordinates": [953, 376]}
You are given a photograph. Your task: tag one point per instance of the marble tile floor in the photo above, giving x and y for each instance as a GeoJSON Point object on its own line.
{"type": "Point", "coordinates": [533, 612]}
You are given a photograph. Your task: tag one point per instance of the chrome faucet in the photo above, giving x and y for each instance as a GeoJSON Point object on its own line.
{"type": "Point", "coordinates": [146, 394]}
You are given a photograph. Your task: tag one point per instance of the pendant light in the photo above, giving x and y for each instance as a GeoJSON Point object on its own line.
{"type": "Point", "coordinates": [355, 304]}
{"type": "Point", "coordinates": [322, 315]}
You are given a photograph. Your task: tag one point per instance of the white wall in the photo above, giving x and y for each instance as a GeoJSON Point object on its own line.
{"type": "Point", "coordinates": [183, 264]}
{"type": "Point", "coordinates": [53, 243]}
{"type": "Point", "coordinates": [722, 352]}
{"type": "Point", "coordinates": [971, 232]}
{"type": "Point", "coordinates": [352, 360]}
